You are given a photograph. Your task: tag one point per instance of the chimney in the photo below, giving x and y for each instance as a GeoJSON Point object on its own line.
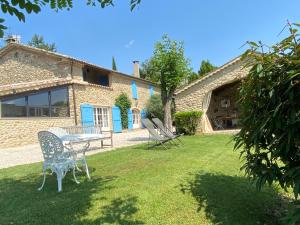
{"type": "Point", "coordinates": [136, 68]}
{"type": "Point", "coordinates": [13, 39]}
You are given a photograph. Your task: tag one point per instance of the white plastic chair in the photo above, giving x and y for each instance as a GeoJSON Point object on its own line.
{"type": "Point", "coordinates": [55, 158]}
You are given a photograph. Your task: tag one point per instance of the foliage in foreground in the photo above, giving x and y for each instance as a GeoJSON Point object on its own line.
{"type": "Point", "coordinates": [154, 107]}
{"type": "Point", "coordinates": [19, 8]}
{"type": "Point", "coordinates": [124, 103]}
{"type": "Point", "coordinates": [187, 122]}
{"type": "Point", "coordinates": [270, 115]}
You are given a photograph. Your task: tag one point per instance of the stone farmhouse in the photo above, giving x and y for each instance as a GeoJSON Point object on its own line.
{"type": "Point", "coordinates": [41, 89]}
{"type": "Point", "coordinates": [216, 95]}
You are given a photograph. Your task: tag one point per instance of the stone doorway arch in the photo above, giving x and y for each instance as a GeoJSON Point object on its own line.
{"type": "Point", "coordinates": [223, 112]}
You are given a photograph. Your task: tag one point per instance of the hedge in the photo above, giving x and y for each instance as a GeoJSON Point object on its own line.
{"type": "Point", "coordinates": [187, 122]}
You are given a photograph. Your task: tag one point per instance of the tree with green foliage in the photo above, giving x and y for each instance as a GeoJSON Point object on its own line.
{"type": "Point", "coordinates": [114, 65]}
{"type": "Point", "coordinates": [148, 71]}
{"type": "Point", "coordinates": [37, 41]}
{"type": "Point", "coordinates": [269, 102]}
{"type": "Point", "coordinates": [206, 67]}
{"type": "Point", "coordinates": [19, 8]}
{"type": "Point", "coordinates": [124, 103]}
{"type": "Point", "coordinates": [154, 107]}
{"type": "Point", "coordinates": [171, 69]}
{"type": "Point", "coordinates": [193, 76]}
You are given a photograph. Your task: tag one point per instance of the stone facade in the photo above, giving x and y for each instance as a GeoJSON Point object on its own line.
{"type": "Point", "coordinates": [24, 69]}
{"type": "Point", "coordinates": [192, 96]}
{"type": "Point", "coordinates": [99, 96]}
{"type": "Point", "coordinates": [19, 66]}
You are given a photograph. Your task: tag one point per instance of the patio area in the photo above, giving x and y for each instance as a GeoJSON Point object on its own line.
{"type": "Point", "coordinates": [32, 153]}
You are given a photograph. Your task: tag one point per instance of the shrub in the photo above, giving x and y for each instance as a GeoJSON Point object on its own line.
{"type": "Point", "coordinates": [154, 107]}
{"type": "Point", "coordinates": [269, 140]}
{"type": "Point", "coordinates": [124, 103]}
{"type": "Point", "coordinates": [187, 122]}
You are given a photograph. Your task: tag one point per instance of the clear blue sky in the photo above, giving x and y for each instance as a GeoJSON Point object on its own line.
{"type": "Point", "coordinates": [213, 30]}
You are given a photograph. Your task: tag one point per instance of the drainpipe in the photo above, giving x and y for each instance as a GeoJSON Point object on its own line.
{"type": "Point", "coordinates": [73, 92]}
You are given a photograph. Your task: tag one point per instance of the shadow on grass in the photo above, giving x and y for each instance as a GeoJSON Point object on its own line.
{"type": "Point", "coordinates": [119, 211]}
{"type": "Point", "coordinates": [21, 203]}
{"type": "Point", "coordinates": [153, 146]}
{"type": "Point", "coordinates": [232, 200]}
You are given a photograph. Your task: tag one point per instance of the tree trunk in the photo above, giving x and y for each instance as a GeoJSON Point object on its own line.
{"type": "Point", "coordinates": [166, 101]}
{"type": "Point", "coordinates": [167, 114]}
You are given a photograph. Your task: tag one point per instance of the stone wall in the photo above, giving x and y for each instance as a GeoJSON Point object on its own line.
{"type": "Point", "coordinates": [23, 131]}
{"type": "Point", "coordinates": [22, 66]}
{"type": "Point", "coordinates": [105, 96]}
{"type": "Point", "coordinates": [192, 98]}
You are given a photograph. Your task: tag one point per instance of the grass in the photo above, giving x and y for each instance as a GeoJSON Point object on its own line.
{"type": "Point", "coordinates": [199, 183]}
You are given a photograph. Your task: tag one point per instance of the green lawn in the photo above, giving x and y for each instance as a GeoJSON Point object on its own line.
{"type": "Point", "coordinates": [199, 183]}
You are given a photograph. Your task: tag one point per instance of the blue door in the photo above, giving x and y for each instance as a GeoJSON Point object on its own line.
{"type": "Point", "coordinates": [87, 115]}
{"type": "Point", "coordinates": [151, 90]}
{"type": "Point", "coordinates": [116, 117]}
{"type": "Point", "coordinates": [143, 116]}
{"type": "Point", "coordinates": [130, 122]}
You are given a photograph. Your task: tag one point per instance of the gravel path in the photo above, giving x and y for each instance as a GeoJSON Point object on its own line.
{"type": "Point", "coordinates": [32, 153]}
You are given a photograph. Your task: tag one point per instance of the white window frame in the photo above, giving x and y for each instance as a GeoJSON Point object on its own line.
{"type": "Point", "coordinates": [99, 112]}
{"type": "Point", "coordinates": [136, 118]}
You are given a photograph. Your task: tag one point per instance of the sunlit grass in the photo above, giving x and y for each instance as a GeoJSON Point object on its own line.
{"type": "Point", "coordinates": [199, 183]}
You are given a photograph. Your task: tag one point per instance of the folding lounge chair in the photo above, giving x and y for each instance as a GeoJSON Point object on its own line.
{"type": "Point", "coordinates": [160, 140]}
{"type": "Point", "coordinates": [165, 131]}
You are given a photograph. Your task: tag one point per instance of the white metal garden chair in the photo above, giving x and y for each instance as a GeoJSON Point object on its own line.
{"type": "Point", "coordinates": [79, 154]}
{"type": "Point", "coordinates": [56, 158]}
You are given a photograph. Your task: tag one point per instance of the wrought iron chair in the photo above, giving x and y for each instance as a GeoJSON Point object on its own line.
{"type": "Point", "coordinates": [165, 131]}
{"type": "Point", "coordinates": [79, 154]}
{"type": "Point", "coordinates": [56, 158]}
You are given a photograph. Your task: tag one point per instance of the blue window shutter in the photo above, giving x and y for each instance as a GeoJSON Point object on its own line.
{"type": "Point", "coordinates": [151, 90]}
{"type": "Point", "coordinates": [134, 90]}
{"type": "Point", "coordinates": [116, 117]}
{"type": "Point", "coordinates": [130, 122]}
{"type": "Point", "coordinates": [143, 116]}
{"type": "Point", "coordinates": [87, 115]}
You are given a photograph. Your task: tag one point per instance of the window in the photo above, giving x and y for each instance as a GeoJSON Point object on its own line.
{"type": "Point", "coordinates": [38, 105]}
{"type": "Point", "coordinates": [13, 107]}
{"type": "Point", "coordinates": [59, 103]}
{"type": "Point", "coordinates": [101, 117]}
{"type": "Point", "coordinates": [52, 103]}
{"type": "Point", "coordinates": [94, 76]}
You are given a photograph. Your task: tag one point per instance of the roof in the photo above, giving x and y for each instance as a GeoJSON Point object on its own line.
{"type": "Point", "coordinates": [199, 80]}
{"type": "Point", "coordinates": [18, 88]}
{"type": "Point", "coordinates": [10, 46]}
